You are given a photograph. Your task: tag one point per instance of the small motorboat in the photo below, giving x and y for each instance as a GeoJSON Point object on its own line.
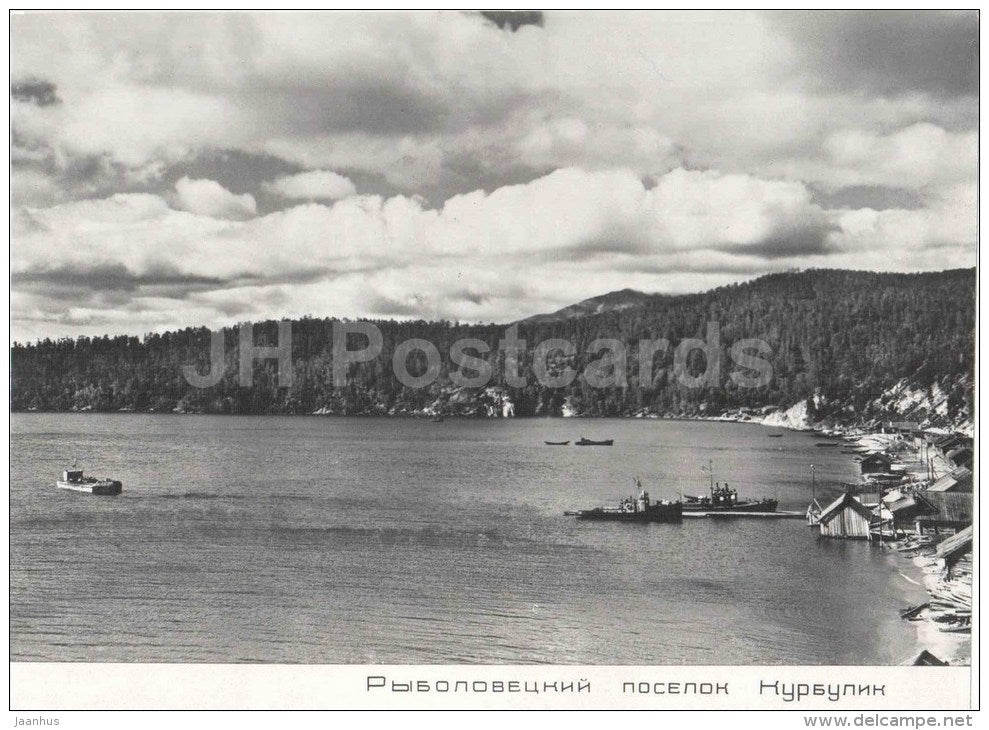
{"type": "Point", "coordinates": [74, 481]}
{"type": "Point", "coordinates": [589, 442]}
{"type": "Point", "coordinates": [775, 435]}
{"type": "Point", "coordinates": [557, 443]}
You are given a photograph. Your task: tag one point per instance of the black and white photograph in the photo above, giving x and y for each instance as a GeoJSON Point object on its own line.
{"type": "Point", "coordinates": [497, 341]}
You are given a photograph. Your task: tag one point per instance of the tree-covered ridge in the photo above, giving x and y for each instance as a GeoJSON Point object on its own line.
{"type": "Point", "coordinates": [839, 338]}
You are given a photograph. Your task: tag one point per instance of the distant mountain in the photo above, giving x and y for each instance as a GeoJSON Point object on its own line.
{"type": "Point", "coordinates": [615, 301]}
{"type": "Point", "coordinates": [845, 347]}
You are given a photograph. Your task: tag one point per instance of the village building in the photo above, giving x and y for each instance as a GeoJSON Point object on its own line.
{"type": "Point", "coordinates": [846, 518]}
{"type": "Point", "coordinates": [876, 464]}
{"type": "Point", "coordinates": [952, 511]}
{"type": "Point", "coordinates": [903, 508]}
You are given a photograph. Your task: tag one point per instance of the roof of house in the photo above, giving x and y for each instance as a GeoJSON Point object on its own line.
{"type": "Point", "coordinates": [846, 500]}
{"type": "Point", "coordinates": [956, 544]}
{"type": "Point", "coordinates": [959, 480]}
{"type": "Point", "coordinates": [926, 659]}
{"type": "Point", "coordinates": [948, 441]}
{"type": "Point", "coordinates": [906, 503]}
{"type": "Point", "coordinates": [877, 456]}
{"type": "Point", "coordinates": [951, 506]}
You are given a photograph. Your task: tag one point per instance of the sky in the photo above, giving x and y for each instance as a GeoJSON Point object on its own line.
{"type": "Point", "coordinates": [177, 169]}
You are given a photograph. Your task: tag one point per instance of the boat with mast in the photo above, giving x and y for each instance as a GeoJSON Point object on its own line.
{"type": "Point", "coordinates": [725, 499]}
{"type": "Point", "coordinates": [634, 509]}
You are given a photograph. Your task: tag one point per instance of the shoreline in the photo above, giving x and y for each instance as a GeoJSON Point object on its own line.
{"type": "Point", "coordinates": [921, 569]}
{"type": "Point", "coordinates": [783, 420]}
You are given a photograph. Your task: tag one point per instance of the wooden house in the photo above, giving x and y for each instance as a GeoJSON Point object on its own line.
{"type": "Point", "coordinates": [903, 508]}
{"type": "Point", "coordinates": [846, 518]}
{"type": "Point", "coordinates": [952, 511]}
{"type": "Point", "coordinates": [876, 464]}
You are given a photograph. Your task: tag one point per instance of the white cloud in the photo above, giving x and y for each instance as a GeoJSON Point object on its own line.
{"type": "Point", "coordinates": [579, 233]}
{"type": "Point", "coordinates": [312, 185]}
{"type": "Point", "coordinates": [208, 197]}
{"type": "Point", "coordinates": [916, 156]}
{"type": "Point", "coordinates": [392, 95]}
{"type": "Point", "coordinates": [670, 151]}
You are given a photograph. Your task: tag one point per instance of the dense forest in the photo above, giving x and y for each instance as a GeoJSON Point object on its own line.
{"type": "Point", "coordinates": [838, 340]}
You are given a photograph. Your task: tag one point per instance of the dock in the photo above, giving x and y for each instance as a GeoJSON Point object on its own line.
{"type": "Point", "coordinates": [781, 515]}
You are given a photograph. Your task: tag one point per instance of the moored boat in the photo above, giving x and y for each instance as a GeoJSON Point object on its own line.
{"type": "Point", "coordinates": [75, 481]}
{"type": "Point", "coordinates": [725, 499]}
{"type": "Point", "coordinates": [634, 509]}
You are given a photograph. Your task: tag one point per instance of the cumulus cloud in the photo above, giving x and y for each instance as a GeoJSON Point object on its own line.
{"type": "Point", "coordinates": [578, 231]}
{"type": "Point", "coordinates": [916, 156]}
{"type": "Point", "coordinates": [312, 185]}
{"type": "Point", "coordinates": [207, 197]}
{"type": "Point", "coordinates": [664, 151]}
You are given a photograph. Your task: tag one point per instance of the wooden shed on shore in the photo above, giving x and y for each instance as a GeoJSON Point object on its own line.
{"type": "Point", "coordinates": [846, 518]}
{"type": "Point", "coordinates": [877, 463]}
{"type": "Point", "coordinates": [952, 511]}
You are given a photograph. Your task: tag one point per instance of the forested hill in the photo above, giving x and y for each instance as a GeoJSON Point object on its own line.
{"type": "Point", "coordinates": [852, 345]}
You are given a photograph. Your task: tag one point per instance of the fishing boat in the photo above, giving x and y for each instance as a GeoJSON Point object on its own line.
{"type": "Point", "coordinates": [634, 509]}
{"type": "Point", "coordinates": [75, 481]}
{"type": "Point", "coordinates": [725, 499]}
{"type": "Point", "coordinates": [589, 442]}
{"type": "Point", "coordinates": [556, 443]}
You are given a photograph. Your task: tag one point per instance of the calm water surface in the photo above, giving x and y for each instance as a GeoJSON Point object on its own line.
{"type": "Point", "coordinates": [328, 540]}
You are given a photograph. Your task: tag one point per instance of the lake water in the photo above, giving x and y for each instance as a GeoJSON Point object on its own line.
{"type": "Point", "coordinates": [332, 540]}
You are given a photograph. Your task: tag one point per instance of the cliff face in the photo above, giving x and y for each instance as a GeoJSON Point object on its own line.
{"type": "Point", "coordinates": [841, 346]}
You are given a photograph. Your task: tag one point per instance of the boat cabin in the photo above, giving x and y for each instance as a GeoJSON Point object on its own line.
{"type": "Point", "coordinates": [72, 475]}
{"type": "Point", "coordinates": [723, 496]}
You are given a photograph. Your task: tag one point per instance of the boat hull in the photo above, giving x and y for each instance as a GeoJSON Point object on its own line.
{"type": "Point", "coordinates": [655, 513]}
{"type": "Point", "coordinates": [100, 488]}
{"type": "Point", "coordinates": [765, 505]}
